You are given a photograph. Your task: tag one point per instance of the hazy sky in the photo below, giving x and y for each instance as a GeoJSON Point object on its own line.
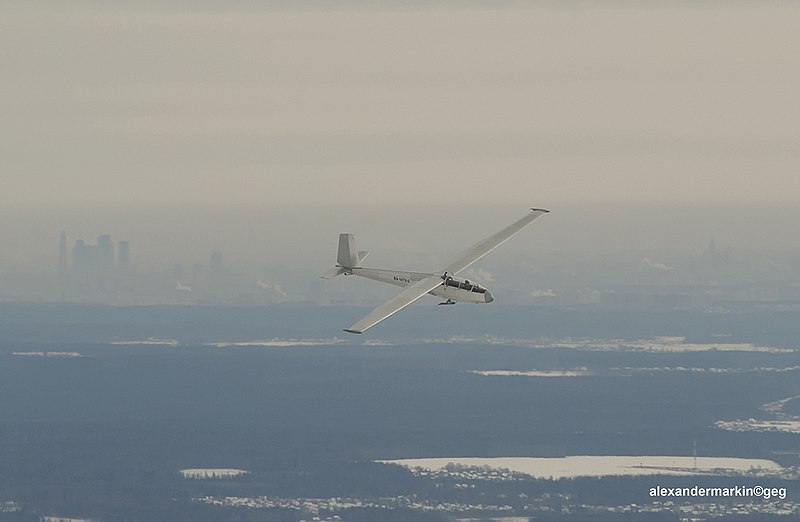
{"type": "Point", "coordinates": [115, 112]}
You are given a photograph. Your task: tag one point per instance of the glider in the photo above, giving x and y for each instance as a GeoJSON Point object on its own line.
{"type": "Point", "coordinates": [442, 284]}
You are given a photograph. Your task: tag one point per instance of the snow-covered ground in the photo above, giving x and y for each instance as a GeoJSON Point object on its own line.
{"type": "Point", "coordinates": [589, 466]}
{"type": "Point", "coordinates": [64, 519]}
{"type": "Point", "coordinates": [205, 473]}
{"type": "Point", "coordinates": [48, 354]}
{"type": "Point", "coordinates": [780, 422]}
{"type": "Point", "coordinates": [279, 342]}
{"type": "Point", "coordinates": [655, 344]}
{"type": "Point", "coordinates": [148, 341]}
{"type": "Point", "coordinates": [783, 426]}
{"type": "Point", "coordinates": [575, 372]}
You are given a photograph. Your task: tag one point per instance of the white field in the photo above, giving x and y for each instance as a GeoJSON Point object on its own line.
{"type": "Point", "coordinates": [599, 466]}
{"type": "Point", "coordinates": [148, 341]}
{"type": "Point", "coordinates": [279, 342]}
{"type": "Point", "coordinates": [48, 354]}
{"type": "Point", "coordinates": [9, 506]}
{"type": "Point", "coordinates": [757, 369]}
{"type": "Point", "coordinates": [777, 406]}
{"type": "Point", "coordinates": [583, 372]}
{"type": "Point", "coordinates": [64, 519]}
{"type": "Point", "coordinates": [656, 344]}
{"type": "Point", "coordinates": [783, 426]}
{"type": "Point", "coordinates": [678, 344]}
{"type": "Point", "coordinates": [496, 519]}
{"type": "Point", "coordinates": [205, 473]}
{"type": "Point", "coordinates": [578, 372]}
{"type": "Point", "coordinates": [377, 342]}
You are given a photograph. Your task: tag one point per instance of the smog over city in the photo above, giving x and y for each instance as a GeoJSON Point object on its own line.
{"type": "Point", "coordinates": [176, 177]}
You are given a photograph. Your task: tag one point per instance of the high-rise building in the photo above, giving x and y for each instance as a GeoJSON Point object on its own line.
{"type": "Point", "coordinates": [96, 259]}
{"type": "Point", "coordinates": [105, 248]}
{"type": "Point", "coordinates": [83, 256]}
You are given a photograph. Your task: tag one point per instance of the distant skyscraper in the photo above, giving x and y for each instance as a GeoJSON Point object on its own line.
{"type": "Point", "coordinates": [62, 254]}
{"type": "Point", "coordinates": [123, 255]}
{"type": "Point", "coordinates": [105, 249]}
{"type": "Point", "coordinates": [82, 256]}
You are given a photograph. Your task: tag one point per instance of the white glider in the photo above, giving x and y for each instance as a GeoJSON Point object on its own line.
{"type": "Point", "coordinates": [417, 284]}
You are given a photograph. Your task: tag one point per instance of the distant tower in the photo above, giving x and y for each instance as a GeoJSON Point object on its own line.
{"type": "Point", "coordinates": [124, 255]}
{"type": "Point", "coordinates": [80, 256]}
{"type": "Point", "coordinates": [62, 254]}
{"type": "Point", "coordinates": [105, 252]}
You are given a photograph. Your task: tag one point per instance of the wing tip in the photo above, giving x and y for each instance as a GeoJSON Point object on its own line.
{"type": "Point", "coordinates": [348, 330]}
{"type": "Point", "coordinates": [540, 210]}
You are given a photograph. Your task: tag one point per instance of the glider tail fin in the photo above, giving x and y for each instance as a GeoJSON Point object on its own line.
{"type": "Point", "coordinates": [349, 256]}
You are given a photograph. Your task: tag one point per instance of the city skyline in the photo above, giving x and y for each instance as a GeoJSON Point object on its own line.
{"type": "Point", "coordinates": [623, 278]}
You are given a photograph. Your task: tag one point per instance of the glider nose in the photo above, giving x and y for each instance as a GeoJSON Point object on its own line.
{"type": "Point", "coordinates": [488, 296]}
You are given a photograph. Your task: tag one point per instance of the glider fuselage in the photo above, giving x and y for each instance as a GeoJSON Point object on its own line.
{"type": "Point", "coordinates": [453, 288]}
